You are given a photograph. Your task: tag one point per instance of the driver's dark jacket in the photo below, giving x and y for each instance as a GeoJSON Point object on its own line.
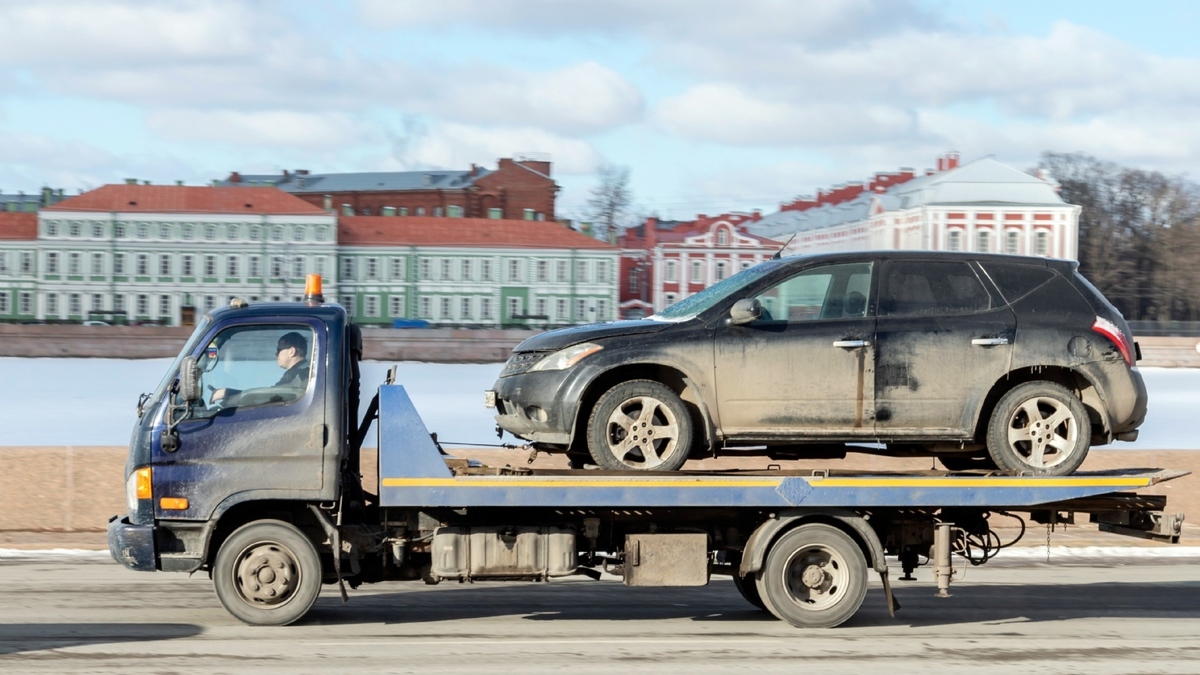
{"type": "Point", "coordinates": [296, 376]}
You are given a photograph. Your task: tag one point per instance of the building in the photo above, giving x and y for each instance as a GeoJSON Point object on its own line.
{"type": "Point", "coordinates": [473, 272]}
{"type": "Point", "coordinates": [518, 189]}
{"type": "Point", "coordinates": [663, 262]}
{"type": "Point", "coordinates": [23, 203]}
{"type": "Point", "coordinates": [983, 206]}
{"type": "Point", "coordinates": [161, 254]}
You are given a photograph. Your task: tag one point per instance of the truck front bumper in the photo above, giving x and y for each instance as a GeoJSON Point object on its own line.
{"type": "Point", "coordinates": [132, 545]}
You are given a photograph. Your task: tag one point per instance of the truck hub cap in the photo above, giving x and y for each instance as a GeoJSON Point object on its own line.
{"type": "Point", "coordinates": [815, 577]}
{"type": "Point", "coordinates": [266, 574]}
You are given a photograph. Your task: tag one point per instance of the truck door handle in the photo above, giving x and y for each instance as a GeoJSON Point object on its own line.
{"type": "Point", "coordinates": [850, 344]}
{"type": "Point", "coordinates": [989, 342]}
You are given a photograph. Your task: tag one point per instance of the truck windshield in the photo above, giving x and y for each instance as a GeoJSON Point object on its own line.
{"type": "Point", "coordinates": [694, 305]}
{"type": "Point", "coordinates": [169, 377]}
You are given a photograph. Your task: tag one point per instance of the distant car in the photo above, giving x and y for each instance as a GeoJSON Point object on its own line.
{"type": "Point", "coordinates": [96, 323]}
{"type": "Point", "coordinates": [984, 361]}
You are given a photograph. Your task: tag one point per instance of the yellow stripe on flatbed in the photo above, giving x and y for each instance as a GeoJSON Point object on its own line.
{"type": "Point", "coordinates": [1082, 482]}
{"type": "Point", "coordinates": [525, 481]}
{"type": "Point", "coordinates": [815, 481]}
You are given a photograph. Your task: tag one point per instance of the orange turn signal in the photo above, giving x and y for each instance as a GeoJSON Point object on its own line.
{"type": "Point", "coordinates": [173, 503]}
{"type": "Point", "coordinates": [143, 483]}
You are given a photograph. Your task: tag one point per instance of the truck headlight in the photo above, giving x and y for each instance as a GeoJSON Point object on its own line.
{"type": "Point", "coordinates": [565, 358]}
{"type": "Point", "coordinates": [137, 486]}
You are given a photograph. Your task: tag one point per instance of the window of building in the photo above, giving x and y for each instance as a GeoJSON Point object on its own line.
{"type": "Point", "coordinates": [397, 269]}
{"type": "Point", "coordinates": [372, 305]}
{"type": "Point", "coordinates": [602, 310]}
{"type": "Point", "coordinates": [485, 308]}
{"type": "Point", "coordinates": [51, 229]}
{"type": "Point", "coordinates": [388, 211]}
{"type": "Point", "coordinates": [495, 213]}
{"type": "Point", "coordinates": [164, 306]}
{"type": "Point", "coordinates": [97, 230]}
{"type": "Point", "coordinates": [347, 268]}
{"type": "Point", "coordinates": [581, 271]}
{"type": "Point", "coordinates": [97, 264]}
{"type": "Point", "coordinates": [298, 267]}
{"type": "Point", "coordinates": [232, 232]}
{"type": "Point", "coordinates": [185, 231]}
{"type": "Point", "coordinates": [97, 302]}
{"type": "Point", "coordinates": [210, 232]}
{"type": "Point", "coordinates": [485, 269]}
{"type": "Point", "coordinates": [1041, 243]}
{"type": "Point", "coordinates": [3, 262]}
{"type": "Point", "coordinates": [1012, 242]}
{"type": "Point", "coordinates": [348, 304]}
{"type": "Point", "coordinates": [445, 308]}
{"type": "Point", "coordinates": [118, 264]}
{"type": "Point", "coordinates": [51, 262]}
{"type": "Point", "coordinates": [403, 211]}
{"type": "Point", "coordinates": [514, 269]}
{"type": "Point", "coordinates": [74, 264]}
{"type": "Point", "coordinates": [254, 267]}
{"type": "Point", "coordinates": [164, 265]}
{"type": "Point", "coordinates": [464, 308]}
{"type": "Point", "coordinates": [4, 308]}
{"type": "Point", "coordinates": [580, 309]}
{"type": "Point", "coordinates": [467, 269]}
{"type": "Point", "coordinates": [528, 214]}
{"type": "Point", "coordinates": [298, 233]}
{"type": "Point", "coordinates": [423, 269]}
{"type": "Point", "coordinates": [697, 271]}
{"type": "Point", "coordinates": [540, 305]}
{"type": "Point", "coordinates": [562, 270]}
{"type": "Point", "coordinates": [255, 233]}
{"type": "Point", "coordinates": [454, 211]}
{"type": "Point", "coordinates": [74, 229]}
{"type": "Point", "coordinates": [319, 265]}
{"type": "Point", "coordinates": [372, 268]}
{"type": "Point", "coordinates": [983, 241]}
{"type": "Point", "coordinates": [446, 273]}
{"type": "Point", "coordinates": [438, 212]}
{"type": "Point", "coordinates": [543, 270]}
{"type": "Point", "coordinates": [322, 234]}
{"type": "Point", "coordinates": [231, 267]}
{"type": "Point", "coordinates": [26, 263]}
{"type": "Point", "coordinates": [143, 231]}
{"type": "Point", "coordinates": [560, 309]}
{"type": "Point", "coordinates": [722, 269]}
{"type": "Point", "coordinates": [671, 297]}
{"type": "Point", "coordinates": [277, 267]}
{"type": "Point", "coordinates": [52, 304]}
{"type": "Point", "coordinates": [602, 271]}
{"type": "Point", "coordinates": [722, 237]}
{"type": "Point", "coordinates": [395, 305]}
{"type": "Point", "coordinates": [514, 307]}
{"type": "Point", "coordinates": [635, 279]}
{"type": "Point", "coordinates": [74, 304]}
{"type": "Point", "coordinates": [424, 307]}
{"type": "Point", "coordinates": [119, 303]}
{"type": "Point", "coordinates": [25, 303]}
{"type": "Point", "coordinates": [210, 266]}
{"type": "Point", "coordinates": [277, 233]}
{"type": "Point", "coordinates": [954, 240]}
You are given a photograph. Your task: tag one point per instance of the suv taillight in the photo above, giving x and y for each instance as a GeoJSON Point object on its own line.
{"type": "Point", "coordinates": [1114, 333]}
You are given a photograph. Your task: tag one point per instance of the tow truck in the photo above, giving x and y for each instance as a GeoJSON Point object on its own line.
{"type": "Point", "coordinates": [262, 488]}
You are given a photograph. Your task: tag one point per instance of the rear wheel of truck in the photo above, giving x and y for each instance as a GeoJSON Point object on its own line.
{"type": "Point", "coordinates": [1039, 428]}
{"type": "Point", "coordinates": [640, 425]}
{"type": "Point", "coordinates": [814, 576]}
{"type": "Point", "coordinates": [267, 573]}
{"type": "Point", "coordinates": [748, 587]}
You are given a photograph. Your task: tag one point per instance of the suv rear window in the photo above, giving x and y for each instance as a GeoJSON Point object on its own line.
{"type": "Point", "coordinates": [1016, 281]}
{"type": "Point", "coordinates": [924, 288]}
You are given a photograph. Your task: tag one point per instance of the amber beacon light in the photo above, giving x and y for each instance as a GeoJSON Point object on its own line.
{"type": "Point", "coordinates": [312, 288]}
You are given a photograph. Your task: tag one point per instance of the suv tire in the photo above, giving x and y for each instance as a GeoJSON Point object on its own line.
{"type": "Point", "coordinates": [640, 425]}
{"type": "Point", "coordinates": [1039, 428]}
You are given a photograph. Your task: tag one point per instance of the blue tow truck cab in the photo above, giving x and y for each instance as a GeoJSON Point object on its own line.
{"type": "Point", "coordinates": [259, 483]}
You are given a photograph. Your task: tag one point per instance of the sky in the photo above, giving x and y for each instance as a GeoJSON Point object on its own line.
{"type": "Point", "coordinates": [449, 398]}
{"type": "Point", "coordinates": [714, 106]}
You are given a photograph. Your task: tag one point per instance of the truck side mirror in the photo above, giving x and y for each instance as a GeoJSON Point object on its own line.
{"type": "Point", "coordinates": [189, 380]}
{"type": "Point", "coordinates": [744, 311]}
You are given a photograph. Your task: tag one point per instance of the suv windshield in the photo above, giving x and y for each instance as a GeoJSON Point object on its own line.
{"type": "Point", "coordinates": [693, 305]}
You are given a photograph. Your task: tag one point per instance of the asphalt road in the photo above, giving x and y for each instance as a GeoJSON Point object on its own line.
{"type": "Point", "coordinates": [64, 616]}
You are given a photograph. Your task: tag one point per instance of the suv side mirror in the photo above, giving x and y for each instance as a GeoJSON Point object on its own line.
{"type": "Point", "coordinates": [744, 311]}
{"type": "Point", "coordinates": [189, 380]}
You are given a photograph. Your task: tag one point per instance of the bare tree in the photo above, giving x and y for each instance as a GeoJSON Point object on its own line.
{"type": "Point", "coordinates": [609, 207]}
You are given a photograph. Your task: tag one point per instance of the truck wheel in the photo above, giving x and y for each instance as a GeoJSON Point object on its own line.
{"type": "Point", "coordinates": [640, 425]}
{"type": "Point", "coordinates": [815, 576]}
{"type": "Point", "coordinates": [748, 587]}
{"type": "Point", "coordinates": [267, 573]}
{"type": "Point", "coordinates": [1039, 428]}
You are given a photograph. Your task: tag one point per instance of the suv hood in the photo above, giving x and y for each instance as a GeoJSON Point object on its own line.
{"type": "Point", "coordinates": [565, 337]}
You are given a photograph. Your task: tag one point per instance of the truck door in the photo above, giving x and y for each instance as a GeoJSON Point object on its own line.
{"type": "Point", "coordinates": [942, 340]}
{"type": "Point", "coordinates": [805, 367]}
{"type": "Point", "coordinates": [260, 431]}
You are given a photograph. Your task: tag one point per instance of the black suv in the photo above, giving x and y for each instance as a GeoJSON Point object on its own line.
{"type": "Point", "coordinates": [985, 361]}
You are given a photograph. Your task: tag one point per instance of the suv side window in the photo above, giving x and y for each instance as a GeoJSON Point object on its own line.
{"type": "Point", "coordinates": [1016, 281]}
{"type": "Point", "coordinates": [827, 292]}
{"type": "Point", "coordinates": [928, 288]}
{"type": "Point", "coordinates": [248, 366]}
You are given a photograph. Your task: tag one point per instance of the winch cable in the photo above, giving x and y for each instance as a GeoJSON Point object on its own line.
{"type": "Point", "coordinates": [978, 548]}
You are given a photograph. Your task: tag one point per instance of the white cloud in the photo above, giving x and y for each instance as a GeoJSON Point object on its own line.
{"type": "Point", "coordinates": [283, 128]}
{"type": "Point", "coordinates": [457, 145]}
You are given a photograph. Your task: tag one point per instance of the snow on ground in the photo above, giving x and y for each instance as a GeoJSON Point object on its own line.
{"type": "Point", "coordinates": [93, 401]}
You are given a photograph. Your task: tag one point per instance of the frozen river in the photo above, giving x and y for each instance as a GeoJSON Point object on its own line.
{"type": "Point", "coordinates": [92, 401]}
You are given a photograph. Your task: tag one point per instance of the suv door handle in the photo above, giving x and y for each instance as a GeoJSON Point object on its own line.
{"type": "Point", "coordinates": [989, 342]}
{"type": "Point", "coordinates": [850, 344]}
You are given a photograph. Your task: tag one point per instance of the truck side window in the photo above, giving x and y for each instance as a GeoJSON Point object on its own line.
{"type": "Point", "coordinates": [249, 366]}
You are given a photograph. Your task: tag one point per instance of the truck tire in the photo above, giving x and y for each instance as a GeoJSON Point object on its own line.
{"type": "Point", "coordinates": [640, 425]}
{"type": "Point", "coordinates": [267, 573]}
{"type": "Point", "coordinates": [814, 576]}
{"type": "Point", "coordinates": [1039, 428]}
{"type": "Point", "coordinates": [748, 587]}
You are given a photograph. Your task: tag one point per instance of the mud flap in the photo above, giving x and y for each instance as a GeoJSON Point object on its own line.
{"type": "Point", "coordinates": [892, 604]}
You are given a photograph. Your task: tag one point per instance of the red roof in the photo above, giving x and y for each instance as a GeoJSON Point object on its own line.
{"type": "Point", "coordinates": [18, 225]}
{"type": "Point", "coordinates": [464, 232]}
{"type": "Point", "coordinates": [188, 199]}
